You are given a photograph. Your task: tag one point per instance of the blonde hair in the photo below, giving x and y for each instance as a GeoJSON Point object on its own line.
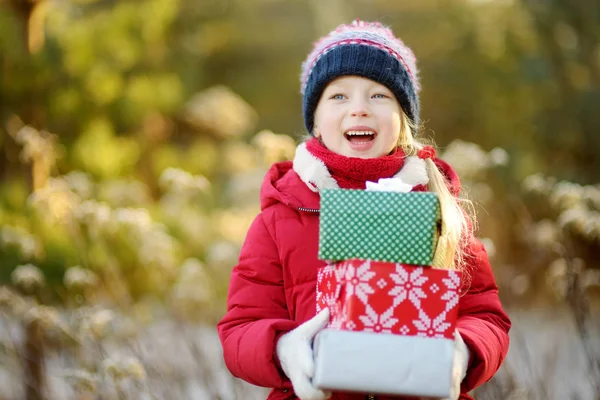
{"type": "Point", "coordinates": [457, 223]}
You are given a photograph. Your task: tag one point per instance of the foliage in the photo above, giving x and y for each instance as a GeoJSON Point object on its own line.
{"type": "Point", "coordinates": [135, 135]}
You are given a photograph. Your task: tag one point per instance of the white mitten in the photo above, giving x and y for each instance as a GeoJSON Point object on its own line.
{"type": "Point", "coordinates": [294, 350]}
{"type": "Point", "coordinates": [459, 367]}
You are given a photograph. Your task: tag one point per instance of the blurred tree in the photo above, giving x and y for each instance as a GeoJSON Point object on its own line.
{"type": "Point", "coordinates": [569, 38]}
{"type": "Point", "coordinates": [115, 81]}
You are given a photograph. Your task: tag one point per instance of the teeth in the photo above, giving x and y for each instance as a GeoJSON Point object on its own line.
{"type": "Point", "coordinates": [360, 133]}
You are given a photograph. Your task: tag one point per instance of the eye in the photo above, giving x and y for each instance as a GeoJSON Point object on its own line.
{"type": "Point", "coordinates": [380, 96]}
{"type": "Point", "coordinates": [337, 96]}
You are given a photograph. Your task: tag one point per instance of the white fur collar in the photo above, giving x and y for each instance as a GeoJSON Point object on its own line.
{"type": "Point", "coordinates": [314, 173]}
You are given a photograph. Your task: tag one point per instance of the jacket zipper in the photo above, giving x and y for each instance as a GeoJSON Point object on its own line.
{"type": "Point", "coordinates": [311, 210]}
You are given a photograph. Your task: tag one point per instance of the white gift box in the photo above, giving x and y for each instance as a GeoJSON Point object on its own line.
{"type": "Point", "coordinates": [379, 363]}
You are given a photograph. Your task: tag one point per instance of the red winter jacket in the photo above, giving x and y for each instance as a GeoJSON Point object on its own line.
{"type": "Point", "coordinates": [272, 290]}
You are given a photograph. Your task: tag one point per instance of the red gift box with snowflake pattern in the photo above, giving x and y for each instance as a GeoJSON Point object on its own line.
{"type": "Point", "coordinates": [385, 297]}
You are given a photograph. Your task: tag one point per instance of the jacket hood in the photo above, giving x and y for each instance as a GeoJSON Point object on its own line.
{"type": "Point", "coordinates": [297, 184]}
{"type": "Point", "coordinates": [283, 185]}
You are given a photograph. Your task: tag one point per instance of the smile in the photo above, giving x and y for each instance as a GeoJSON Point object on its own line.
{"type": "Point", "coordinates": [362, 136]}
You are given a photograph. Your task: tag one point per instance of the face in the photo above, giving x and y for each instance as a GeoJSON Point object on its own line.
{"type": "Point", "coordinates": [358, 117]}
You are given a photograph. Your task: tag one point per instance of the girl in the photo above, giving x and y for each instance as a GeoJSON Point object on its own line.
{"type": "Point", "coordinates": [360, 103]}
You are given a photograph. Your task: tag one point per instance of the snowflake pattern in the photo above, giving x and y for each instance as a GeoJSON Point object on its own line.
{"type": "Point", "coordinates": [451, 299]}
{"type": "Point", "coordinates": [339, 317]}
{"type": "Point", "coordinates": [408, 286]}
{"type": "Point", "coordinates": [357, 279]}
{"type": "Point", "coordinates": [417, 300]}
{"type": "Point", "coordinates": [378, 323]}
{"type": "Point", "coordinates": [453, 280]}
{"type": "Point", "coordinates": [327, 298]}
{"type": "Point", "coordinates": [339, 270]}
{"type": "Point", "coordinates": [428, 327]}
{"type": "Point", "coordinates": [453, 284]}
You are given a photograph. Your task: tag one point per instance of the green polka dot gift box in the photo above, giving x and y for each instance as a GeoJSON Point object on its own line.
{"type": "Point", "coordinates": [379, 226]}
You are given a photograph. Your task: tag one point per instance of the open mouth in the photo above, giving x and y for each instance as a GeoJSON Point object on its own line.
{"type": "Point", "coordinates": [360, 136]}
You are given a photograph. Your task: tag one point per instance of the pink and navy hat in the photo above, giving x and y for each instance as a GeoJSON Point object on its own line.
{"type": "Point", "coordinates": [366, 49]}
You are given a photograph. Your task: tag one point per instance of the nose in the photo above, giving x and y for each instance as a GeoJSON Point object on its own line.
{"type": "Point", "coordinates": [360, 108]}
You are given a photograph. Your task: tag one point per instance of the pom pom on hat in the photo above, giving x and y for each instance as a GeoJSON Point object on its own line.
{"type": "Point", "coordinates": [366, 49]}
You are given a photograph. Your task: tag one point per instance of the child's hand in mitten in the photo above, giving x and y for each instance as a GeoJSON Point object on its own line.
{"type": "Point", "coordinates": [459, 367]}
{"type": "Point", "coordinates": [294, 350]}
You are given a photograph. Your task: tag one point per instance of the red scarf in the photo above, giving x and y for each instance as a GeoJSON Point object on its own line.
{"type": "Point", "coordinates": [353, 172]}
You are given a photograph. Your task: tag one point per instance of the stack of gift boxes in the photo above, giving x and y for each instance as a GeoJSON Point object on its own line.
{"type": "Point", "coordinates": [393, 316]}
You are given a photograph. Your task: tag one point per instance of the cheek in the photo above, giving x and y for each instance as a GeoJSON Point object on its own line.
{"type": "Point", "coordinates": [396, 123]}
{"type": "Point", "coordinates": [320, 114]}
{"type": "Point", "coordinates": [325, 116]}
{"type": "Point", "coordinates": [394, 127]}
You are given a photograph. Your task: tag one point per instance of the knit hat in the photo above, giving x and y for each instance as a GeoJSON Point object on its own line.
{"type": "Point", "coordinates": [366, 49]}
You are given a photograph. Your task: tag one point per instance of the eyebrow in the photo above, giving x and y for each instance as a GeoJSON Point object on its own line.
{"type": "Point", "coordinates": [342, 87]}
{"type": "Point", "coordinates": [335, 86]}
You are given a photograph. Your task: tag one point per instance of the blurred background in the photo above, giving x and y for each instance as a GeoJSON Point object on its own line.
{"type": "Point", "coordinates": [134, 136]}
